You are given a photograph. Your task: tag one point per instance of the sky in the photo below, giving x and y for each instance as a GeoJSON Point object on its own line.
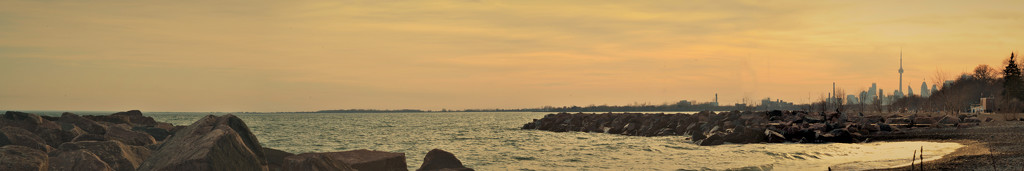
{"type": "Point", "coordinates": [480, 54]}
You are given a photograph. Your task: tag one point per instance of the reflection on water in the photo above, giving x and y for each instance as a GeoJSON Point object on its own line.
{"type": "Point", "coordinates": [493, 141]}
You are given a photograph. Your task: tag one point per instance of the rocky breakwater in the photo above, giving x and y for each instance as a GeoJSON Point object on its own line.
{"type": "Point", "coordinates": [128, 141]}
{"type": "Point", "coordinates": [710, 128]}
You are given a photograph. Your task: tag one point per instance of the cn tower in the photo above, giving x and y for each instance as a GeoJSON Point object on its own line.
{"type": "Point", "coordinates": [901, 71]}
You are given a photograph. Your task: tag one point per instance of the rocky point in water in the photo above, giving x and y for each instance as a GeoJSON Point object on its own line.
{"type": "Point", "coordinates": [128, 141]}
{"type": "Point", "coordinates": [709, 128]}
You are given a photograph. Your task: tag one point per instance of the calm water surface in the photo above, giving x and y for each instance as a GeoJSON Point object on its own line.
{"type": "Point", "coordinates": [493, 141]}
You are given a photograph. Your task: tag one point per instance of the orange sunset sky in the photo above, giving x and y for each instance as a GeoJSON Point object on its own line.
{"type": "Point", "coordinates": [457, 54]}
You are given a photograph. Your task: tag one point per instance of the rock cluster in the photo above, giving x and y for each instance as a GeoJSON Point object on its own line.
{"type": "Point", "coordinates": [709, 128]}
{"type": "Point", "coordinates": [128, 141]}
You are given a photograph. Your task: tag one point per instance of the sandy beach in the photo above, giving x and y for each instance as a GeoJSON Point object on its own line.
{"type": "Point", "coordinates": [992, 145]}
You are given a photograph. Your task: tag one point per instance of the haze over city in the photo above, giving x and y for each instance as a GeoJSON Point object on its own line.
{"type": "Point", "coordinates": [313, 55]}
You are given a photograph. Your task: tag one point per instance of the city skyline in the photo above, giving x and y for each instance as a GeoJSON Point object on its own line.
{"type": "Point", "coordinates": [456, 54]}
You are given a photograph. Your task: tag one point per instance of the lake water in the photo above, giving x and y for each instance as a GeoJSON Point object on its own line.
{"type": "Point", "coordinates": [493, 141]}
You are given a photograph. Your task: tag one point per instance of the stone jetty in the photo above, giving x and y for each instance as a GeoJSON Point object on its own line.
{"type": "Point", "coordinates": [710, 128]}
{"type": "Point", "coordinates": [129, 141]}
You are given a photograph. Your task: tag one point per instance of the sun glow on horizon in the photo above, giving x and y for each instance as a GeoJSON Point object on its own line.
{"type": "Point", "coordinates": [459, 54]}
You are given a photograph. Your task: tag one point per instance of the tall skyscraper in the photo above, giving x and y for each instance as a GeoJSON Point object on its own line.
{"type": "Point", "coordinates": [924, 90]}
{"type": "Point", "coordinates": [872, 93]}
{"type": "Point", "coordinates": [901, 73]}
{"type": "Point", "coordinates": [910, 91]}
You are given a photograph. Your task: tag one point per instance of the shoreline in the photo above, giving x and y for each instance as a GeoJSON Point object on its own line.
{"type": "Point", "coordinates": [989, 146]}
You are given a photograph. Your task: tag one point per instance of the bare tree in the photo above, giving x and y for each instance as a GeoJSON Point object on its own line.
{"type": "Point", "coordinates": [985, 72]}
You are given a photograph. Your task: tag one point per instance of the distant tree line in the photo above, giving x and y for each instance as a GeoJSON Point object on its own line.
{"type": "Point", "coordinates": [1005, 88]}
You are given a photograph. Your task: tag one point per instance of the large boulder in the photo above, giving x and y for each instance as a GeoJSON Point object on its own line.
{"type": "Point", "coordinates": [135, 117]}
{"type": "Point", "coordinates": [70, 131]}
{"type": "Point", "coordinates": [743, 135]}
{"type": "Point", "coordinates": [212, 143]}
{"type": "Point", "coordinates": [26, 118]}
{"type": "Point", "coordinates": [129, 137]}
{"type": "Point", "coordinates": [438, 159]}
{"type": "Point", "coordinates": [54, 136]}
{"type": "Point", "coordinates": [17, 136]}
{"type": "Point", "coordinates": [48, 130]}
{"type": "Point", "coordinates": [275, 158]}
{"type": "Point", "coordinates": [347, 160]}
{"type": "Point", "coordinates": [16, 157]}
{"type": "Point", "coordinates": [78, 160]}
{"type": "Point", "coordinates": [116, 154]}
{"type": "Point", "coordinates": [773, 136]}
{"type": "Point", "coordinates": [83, 123]}
{"type": "Point", "coordinates": [157, 133]}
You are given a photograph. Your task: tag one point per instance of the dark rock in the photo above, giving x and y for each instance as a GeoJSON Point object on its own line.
{"type": "Point", "coordinates": [774, 136]}
{"type": "Point", "coordinates": [135, 117]}
{"type": "Point", "coordinates": [120, 119]}
{"type": "Point", "coordinates": [212, 143]}
{"type": "Point", "coordinates": [47, 130]}
{"type": "Point", "coordinates": [531, 125]}
{"type": "Point", "coordinates": [78, 160]}
{"type": "Point", "coordinates": [54, 136]}
{"type": "Point", "coordinates": [49, 118]}
{"type": "Point", "coordinates": [175, 129]}
{"type": "Point", "coordinates": [116, 154]}
{"type": "Point", "coordinates": [70, 131]}
{"type": "Point", "coordinates": [839, 135]}
{"type": "Point", "coordinates": [129, 137]}
{"type": "Point", "coordinates": [698, 136]}
{"type": "Point", "coordinates": [17, 136]}
{"type": "Point", "coordinates": [16, 157]}
{"type": "Point", "coordinates": [745, 135]}
{"type": "Point", "coordinates": [157, 133]}
{"type": "Point", "coordinates": [347, 160]}
{"type": "Point", "coordinates": [275, 158]}
{"type": "Point", "coordinates": [885, 127]}
{"type": "Point", "coordinates": [83, 123]}
{"type": "Point", "coordinates": [438, 159]}
{"type": "Point", "coordinates": [23, 117]}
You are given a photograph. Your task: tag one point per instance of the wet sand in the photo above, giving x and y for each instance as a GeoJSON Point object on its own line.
{"type": "Point", "coordinates": [997, 145]}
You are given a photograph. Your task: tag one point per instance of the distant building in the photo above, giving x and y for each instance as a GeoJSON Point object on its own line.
{"type": "Point", "coordinates": [864, 97]}
{"type": "Point", "coordinates": [852, 99]}
{"type": "Point", "coordinates": [881, 97]}
{"type": "Point", "coordinates": [985, 105]}
{"type": "Point", "coordinates": [924, 90]}
{"type": "Point", "coordinates": [872, 93]}
{"type": "Point", "coordinates": [910, 91]}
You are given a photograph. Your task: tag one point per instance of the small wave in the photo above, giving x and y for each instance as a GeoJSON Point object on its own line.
{"type": "Point", "coordinates": [523, 158]}
{"type": "Point", "coordinates": [681, 147]}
